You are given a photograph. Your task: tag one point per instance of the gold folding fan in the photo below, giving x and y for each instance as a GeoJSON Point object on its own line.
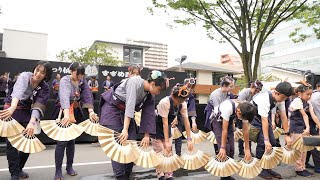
{"type": "Point", "coordinates": [90, 127]}
{"type": "Point", "coordinates": [290, 156]}
{"type": "Point", "coordinates": [195, 160]}
{"type": "Point", "coordinates": [277, 132]}
{"type": "Point", "coordinates": [27, 144]}
{"type": "Point", "coordinates": [298, 145]}
{"type": "Point", "coordinates": [148, 158]}
{"type": "Point", "coordinates": [175, 133]}
{"type": "Point", "coordinates": [238, 135]}
{"type": "Point", "coordinates": [170, 162]}
{"type": "Point", "coordinates": [197, 137]}
{"type": "Point", "coordinates": [137, 118]}
{"type": "Point", "coordinates": [55, 130]}
{"type": "Point", "coordinates": [10, 127]}
{"type": "Point", "coordinates": [271, 159]}
{"type": "Point", "coordinates": [250, 169]}
{"type": "Point", "coordinates": [222, 168]}
{"type": "Point", "coordinates": [121, 153]}
{"type": "Point", "coordinates": [211, 137]}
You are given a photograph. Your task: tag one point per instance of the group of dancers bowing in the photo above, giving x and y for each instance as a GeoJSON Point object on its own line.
{"type": "Point", "coordinates": [26, 103]}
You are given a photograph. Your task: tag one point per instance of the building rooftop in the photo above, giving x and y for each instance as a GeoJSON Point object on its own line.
{"type": "Point", "coordinates": [204, 66]}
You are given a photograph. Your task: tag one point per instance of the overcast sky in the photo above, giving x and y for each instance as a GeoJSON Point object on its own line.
{"type": "Point", "coordinates": [77, 23]}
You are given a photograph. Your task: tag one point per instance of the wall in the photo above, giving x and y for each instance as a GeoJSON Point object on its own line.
{"type": "Point", "coordinates": [25, 45]}
{"type": "Point", "coordinates": [204, 77]}
{"type": "Point", "coordinates": [118, 49]}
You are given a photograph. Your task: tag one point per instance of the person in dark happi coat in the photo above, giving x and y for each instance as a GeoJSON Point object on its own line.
{"type": "Point", "coordinates": [246, 95]}
{"type": "Point", "coordinates": [300, 122]}
{"type": "Point", "coordinates": [216, 98]}
{"type": "Point", "coordinates": [191, 106]}
{"type": "Point", "coordinates": [55, 86]}
{"type": "Point", "coordinates": [74, 95]}
{"type": "Point", "coordinates": [26, 103]}
{"type": "Point", "coordinates": [169, 109]}
{"type": "Point", "coordinates": [265, 102]}
{"type": "Point", "coordinates": [222, 126]}
{"type": "Point", "coordinates": [117, 108]}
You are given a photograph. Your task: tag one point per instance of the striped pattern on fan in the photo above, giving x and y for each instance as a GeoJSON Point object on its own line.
{"type": "Point", "coordinates": [238, 134]}
{"type": "Point", "coordinates": [195, 160]}
{"type": "Point", "coordinates": [56, 131]}
{"type": "Point", "coordinates": [137, 118]}
{"type": "Point", "coordinates": [175, 133]}
{"type": "Point", "coordinates": [148, 158]}
{"type": "Point", "coordinates": [222, 168]}
{"type": "Point", "coordinates": [250, 169]}
{"type": "Point", "coordinates": [27, 144]}
{"type": "Point", "coordinates": [10, 127]}
{"type": "Point", "coordinates": [211, 137]}
{"type": "Point", "coordinates": [170, 162]}
{"type": "Point", "coordinates": [90, 127]}
{"type": "Point", "coordinates": [126, 153]}
{"type": "Point", "coordinates": [272, 159]}
{"type": "Point", "coordinates": [290, 156]}
{"type": "Point", "coordinates": [298, 145]}
{"type": "Point", "coordinates": [197, 137]}
{"type": "Point", "coordinates": [277, 132]}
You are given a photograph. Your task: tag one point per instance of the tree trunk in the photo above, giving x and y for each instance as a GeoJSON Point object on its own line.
{"type": "Point", "coordinates": [256, 61]}
{"type": "Point", "coordinates": [245, 57]}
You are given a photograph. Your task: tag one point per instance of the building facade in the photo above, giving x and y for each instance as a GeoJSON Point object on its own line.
{"type": "Point", "coordinates": [280, 51]}
{"type": "Point", "coordinates": [156, 57]}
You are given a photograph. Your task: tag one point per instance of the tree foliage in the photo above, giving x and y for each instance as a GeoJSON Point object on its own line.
{"type": "Point", "coordinates": [245, 24]}
{"type": "Point", "coordinates": [98, 54]}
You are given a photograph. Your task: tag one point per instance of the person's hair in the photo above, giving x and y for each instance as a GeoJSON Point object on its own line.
{"type": "Point", "coordinates": [256, 84]}
{"type": "Point", "coordinates": [177, 94]}
{"type": "Point", "coordinates": [247, 110]}
{"type": "Point", "coordinates": [134, 67]}
{"type": "Point", "coordinates": [302, 88]}
{"type": "Point", "coordinates": [318, 85]}
{"type": "Point", "coordinates": [159, 79]}
{"type": "Point", "coordinates": [284, 88]}
{"type": "Point", "coordinates": [226, 81]}
{"type": "Point", "coordinates": [94, 77]}
{"type": "Point", "coordinates": [47, 69]}
{"type": "Point", "coordinates": [75, 66]}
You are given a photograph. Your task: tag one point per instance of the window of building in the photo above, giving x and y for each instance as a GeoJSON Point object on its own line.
{"type": "Point", "coordinates": [132, 55]}
{"type": "Point", "coordinates": [191, 73]}
{"type": "Point", "coordinates": [216, 77]}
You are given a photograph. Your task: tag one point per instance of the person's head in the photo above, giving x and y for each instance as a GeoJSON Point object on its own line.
{"type": "Point", "coordinates": [256, 87]}
{"type": "Point", "coordinates": [318, 86]}
{"type": "Point", "coordinates": [180, 93]}
{"type": "Point", "coordinates": [58, 76]}
{"type": "Point", "coordinates": [282, 91]}
{"type": "Point", "coordinates": [42, 71]}
{"type": "Point", "coordinates": [304, 91]}
{"type": "Point", "coordinates": [134, 71]}
{"type": "Point", "coordinates": [157, 82]}
{"type": "Point", "coordinates": [108, 78]}
{"type": "Point", "coordinates": [227, 84]}
{"type": "Point", "coordinates": [191, 82]}
{"type": "Point", "coordinates": [246, 111]}
{"type": "Point", "coordinates": [94, 77]}
{"type": "Point", "coordinates": [77, 71]}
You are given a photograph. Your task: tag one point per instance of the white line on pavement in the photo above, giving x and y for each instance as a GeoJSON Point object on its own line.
{"type": "Point", "coordinates": [52, 166]}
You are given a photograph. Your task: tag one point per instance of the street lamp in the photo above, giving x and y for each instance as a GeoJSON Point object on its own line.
{"type": "Point", "coordinates": [180, 61]}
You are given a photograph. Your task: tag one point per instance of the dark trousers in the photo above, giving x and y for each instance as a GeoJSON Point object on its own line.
{"type": "Point", "coordinates": [16, 159]}
{"type": "Point", "coordinates": [217, 130]}
{"type": "Point", "coordinates": [260, 142]}
{"type": "Point", "coordinates": [241, 146]}
{"type": "Point", "coordinates": [178, 142]}
{"type": "Point", "coordinates": [61, 146]}
{"type": "Point", "coordinates": [315, 153]}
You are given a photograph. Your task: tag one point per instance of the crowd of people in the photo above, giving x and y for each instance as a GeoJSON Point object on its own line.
{"type": "Point", "coordinates": [295, 110]}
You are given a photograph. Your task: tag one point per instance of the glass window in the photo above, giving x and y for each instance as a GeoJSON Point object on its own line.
{"type": "Point", "coordinates": [132, 55]}
{"type": "Point", "coordinates": [216, 78]}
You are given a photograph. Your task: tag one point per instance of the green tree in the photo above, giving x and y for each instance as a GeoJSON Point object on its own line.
{"type": "Point", "coordinates": [245, 24]}
{"type": "Point", "coordinates": [98, 54]}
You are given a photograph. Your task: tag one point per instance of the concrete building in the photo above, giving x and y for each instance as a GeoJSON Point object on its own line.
{"type": "Point", "coordinates": [280, 51]}
{"type": "Point", "coordinates": [130, 54]}
{"type": "Point", "coordinates": [24, 44]}
{"type": "Point", "coordinates": [156, 57]}
{"type": "Point", "coordinates": [208, 76]}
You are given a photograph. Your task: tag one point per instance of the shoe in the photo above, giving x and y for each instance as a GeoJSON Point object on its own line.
{"type": "Point", "coordinates": [317, 170]}
{"type": "Point", "coordinates": [274, 174]}
{"type": "Point", "coordinates": [162, 178]}
{"type": "Point", "coordinates": [304, 173]}
{"type": "Point", "coordinates": [308, 165]}
{"type": "Point", "coordinates": [265, 175]}
{"type": "Point", "coordinates": [241, 155]}
{"type": "Point", "coordinates": [170, 178]}
{"type": "Point", "coordinates": [71, 171]}
{"type": "Point", "coordinates": [227, 178]}
{"type": "Point", "coordinates": [14, 177]}
{"type": "Point", "coordinates": [23, 175]}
